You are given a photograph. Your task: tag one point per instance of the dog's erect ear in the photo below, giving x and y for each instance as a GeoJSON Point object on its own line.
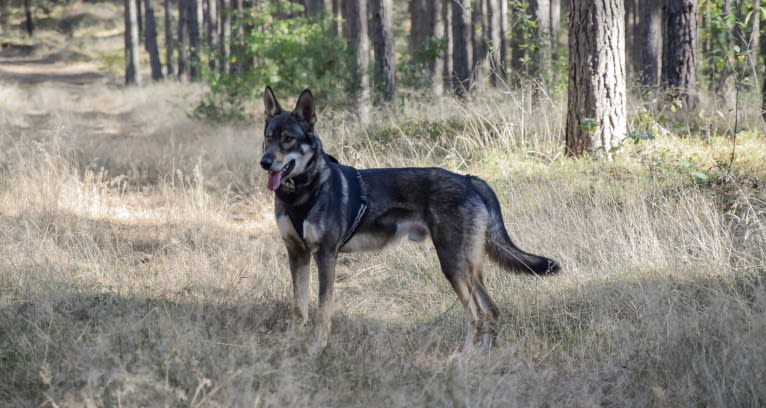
{"type": "Point", "coordinates": [304, 108]}
{"type": "Point", "coordinates": [270, 103]}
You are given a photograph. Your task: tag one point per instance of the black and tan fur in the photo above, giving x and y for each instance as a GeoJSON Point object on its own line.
{"type": "Point", "coordinates": [460, 213]}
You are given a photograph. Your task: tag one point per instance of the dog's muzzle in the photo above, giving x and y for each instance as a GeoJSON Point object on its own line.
{"type": "Point", "coordinates": [267, 161]}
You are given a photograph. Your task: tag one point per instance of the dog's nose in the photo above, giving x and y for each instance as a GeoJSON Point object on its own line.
{"type": "Point", "coordinates": [266, 162]}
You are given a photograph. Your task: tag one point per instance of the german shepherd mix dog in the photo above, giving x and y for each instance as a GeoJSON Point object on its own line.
{"type": "Point", "coordinates": [324, 207]}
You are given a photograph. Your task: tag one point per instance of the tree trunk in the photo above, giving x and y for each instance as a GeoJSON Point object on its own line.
{"type": "Point", "coordinates": [596, 114]}
{"type": "Point", "coordinates": [211, 29]}
{"type": "Point", "coordinates": [762, 52]}
{"type": "Point", "coordinates": [225, 10]}
{"type": "Point", "coordinates": [169, 41]}
{"type": "Point", "coordinates": [540, 66]}
{"type": "Point", "coordinates": [239, 65]}
{"type": "Point", "coordinates": [314, 7]}
{"type": "Point", "coordinates": [420, 20]}
{"type": "Point", "coordinates": [183, 39]}
{"type": "Point", "coordinates": [631, 27]}
{"type": "Point", "coordinates": [383, 46]}
{"type": "Point", "coordinates": [355, 31]}
{"type": "Point", "coordinates": [427, 27]}
{"type": "Point", "coordinates": [650, 43]}
{"type": "Point", "coordinates": [140, 18]}
{"type": "Point", "coordinates": [461, 47]}
{"type": "Point", "coordinates": [755, 35]}
{"type": "Point", "coordinates": [437, 65]}
{"type": "Point", "coordinates": [151, 41]}
{"type": "Point", "coordinates": [503, 45]}
{"type": "Point", "coordinates": [196, 22]}
{"type": "Point", "coordinates": [519, 41]}
{"type": "Point", "coordinates": [554, 28]}
{"type": "Point", "coordinates": [479, 39]}
{"type": "Point", "coordinates": [447, 57]}
{"type": "Point", "coordinates": [132, 76]}
{"type": "Point", "coordinates": [29, 22]}
{"type": "Point", "coordinates": [497, 70]}
{"type": "Point", "coordinates": [726, 84]}
{"type": "Point", "coordinates": [679, 56]}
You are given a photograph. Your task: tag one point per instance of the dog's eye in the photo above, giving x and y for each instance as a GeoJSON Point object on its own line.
{"type": "Point", "coordinates": [287, 138]}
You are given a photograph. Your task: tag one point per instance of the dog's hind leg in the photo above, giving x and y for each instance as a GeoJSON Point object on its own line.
{"type": "Point", "coordinates": [301, 274]}
{"type": "Point", "coordinates": [461, 253]}
{"type": "Point", "coordinates": [457, 272]}
{"type": "Point", "coordinates": [488, 309]}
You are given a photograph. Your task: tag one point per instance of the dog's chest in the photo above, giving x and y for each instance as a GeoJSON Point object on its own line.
{"type": "Point", "coordinates": [313, 234]}
{"type": "Point", "coordinates": [287, 232]}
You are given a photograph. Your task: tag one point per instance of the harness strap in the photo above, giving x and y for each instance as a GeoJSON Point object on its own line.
{"type": "Point", "coordinates": [357, 202]}
{"type": "Point", "coordinates": [356, 206]}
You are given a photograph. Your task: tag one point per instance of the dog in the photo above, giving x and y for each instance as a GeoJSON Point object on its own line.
{"type": "Point", "coordinates": [324, 207]}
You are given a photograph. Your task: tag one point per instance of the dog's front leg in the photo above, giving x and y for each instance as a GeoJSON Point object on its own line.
{"type": "Point", "coordinates": [325, 259]}
{"type": "Point", "coordinates": [301, 274]}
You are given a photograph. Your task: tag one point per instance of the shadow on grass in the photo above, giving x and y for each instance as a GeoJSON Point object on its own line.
{"type": "Point", "coordinates": [67, 342]}
{"type": "Point", "coordinates": [96, 344]}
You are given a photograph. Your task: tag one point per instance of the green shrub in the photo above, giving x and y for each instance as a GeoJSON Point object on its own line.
{"type": "Point", "coordinates": [283, 49]}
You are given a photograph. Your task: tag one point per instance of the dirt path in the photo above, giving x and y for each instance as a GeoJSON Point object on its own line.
{"type": "Point", "coordinates": [31, 71]}
{"type": "Point", "coordinates": [44, 90]}
{"type": "Point", "coordinates": [26, 67]}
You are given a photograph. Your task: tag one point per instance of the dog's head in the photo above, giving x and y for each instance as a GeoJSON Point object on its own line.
{"type": "Point", "coordinates": [289, 144]}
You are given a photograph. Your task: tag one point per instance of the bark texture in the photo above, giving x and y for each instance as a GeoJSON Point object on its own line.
{"type": "Point", "coordinates": [225, 9]}
{"type": "Point", "coordinates": [461, 46]}
{"type": "Point", "coordinates": [132, 76]}
{"type": "Point", "coordinates": [169, 40]}
{"type": "Point", "coordinates": [314, 7]}
{"type": "Point", "coordinates": [195, 25]}
{"type": "Point", "coordinates": [29, 22]}
{"type": "Point", "coordinates": [679, 56]}
{"type": "Point", "coordinates": [355, 32]}
{"type": "Point", "coordinates": [596, 115]}
{"type": "Point", "coordinates": [151, 41]}
{"type": "Point", "coordinates": [383, 45]}
{"type": "Point", "coordinates": [650, 43]}
{"type": "Point", "coordinates": [447, 57]}
{"type": "Point", "coordinates": [496, 10]}
{"type": "Point", "coordinates": [212, 23]}
{"type": "Point", "coordinates": [541, 57]}
{"type": "Point", "coordinates": [479, 40]}
{"type": "Point", "coordinates": [183, 39]}
{"type": "Point", "coordinates": [436, 10]}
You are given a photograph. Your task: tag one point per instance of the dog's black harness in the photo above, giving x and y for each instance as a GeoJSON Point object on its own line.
{"type": "Point", "coordinates": [357, 201]}
{"type": "Point", "coordinates": [356, 205]}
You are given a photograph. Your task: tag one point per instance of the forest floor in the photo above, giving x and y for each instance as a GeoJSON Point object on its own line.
{"type": "Point", "coordinates": [140, 264]}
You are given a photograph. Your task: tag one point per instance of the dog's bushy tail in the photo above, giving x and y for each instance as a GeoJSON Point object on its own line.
{"type": "Point", "coordinates": [499, 245]}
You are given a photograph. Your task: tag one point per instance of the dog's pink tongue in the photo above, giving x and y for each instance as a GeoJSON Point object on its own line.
{"type": "Point", "coordinates": [275, 178]}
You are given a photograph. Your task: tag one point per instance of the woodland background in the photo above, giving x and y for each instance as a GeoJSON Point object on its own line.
{"type": "Point", "coordinates": [140, 264]}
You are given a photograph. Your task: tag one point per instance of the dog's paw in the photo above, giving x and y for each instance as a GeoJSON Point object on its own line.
{"type": "Point", "coordinates": [553, 267]}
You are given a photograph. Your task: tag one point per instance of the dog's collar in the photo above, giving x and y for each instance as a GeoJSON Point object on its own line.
{"type": "Point", "coordinates": [305, 178]}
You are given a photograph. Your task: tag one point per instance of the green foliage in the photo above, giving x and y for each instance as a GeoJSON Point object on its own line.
{"type": "Point", "coordinates": [589, 125]}
{"type": "Point", "coordinates": [540, 55]}
{"type": "Point", "coordinates": [283, 49]}
{"type": "Point", "coordinates": [726, 38]}
{"type": "Point", "coordinates": [416, 71]}
{"type": "Point", "coordinates": [525, 26]}
{"type": "Point", "coordinates": [643, 127]}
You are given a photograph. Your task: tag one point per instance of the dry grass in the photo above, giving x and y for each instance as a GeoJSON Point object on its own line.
{"type": "Point", "coordinates": [140, 265]}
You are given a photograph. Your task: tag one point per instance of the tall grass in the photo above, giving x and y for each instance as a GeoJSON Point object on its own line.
{"type": "Point", "coordinates": [140, 265]}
